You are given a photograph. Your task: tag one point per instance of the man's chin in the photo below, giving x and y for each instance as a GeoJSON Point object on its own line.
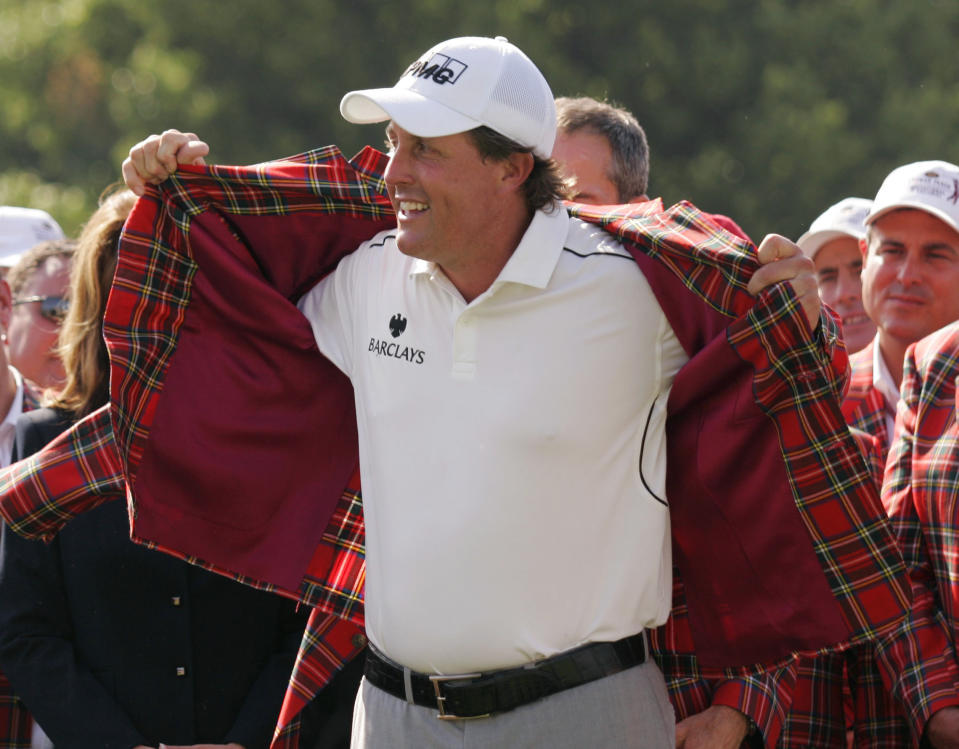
{"type": "Point", "coordinates": [408, 246]}
{"type": "Point", "coordinates": [858, 341]}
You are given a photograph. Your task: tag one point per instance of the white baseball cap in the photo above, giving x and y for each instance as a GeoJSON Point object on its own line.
{"type": "Point", "coordinates": [21, 229]}
{"type": "Point", "coordinates": [461, 84]}
{"type": "Point", "coordinates": [930, 186]}
{"type": "Point", "coordinates": [847, 218]}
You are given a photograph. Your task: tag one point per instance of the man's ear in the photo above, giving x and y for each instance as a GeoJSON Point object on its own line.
{"type": "Point", "coordinates": [863, 247]}
{"type": "Point", "coordinates": [6, 305]}
{"type": "Point", "coordinates": [516, 168]}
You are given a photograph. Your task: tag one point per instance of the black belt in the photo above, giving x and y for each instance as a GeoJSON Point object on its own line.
{"type": "Point", "coordinates": [480, 694]}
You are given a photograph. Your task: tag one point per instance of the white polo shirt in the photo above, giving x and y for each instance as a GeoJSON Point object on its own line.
{"type": "Point", "coordinates": [512, 449]}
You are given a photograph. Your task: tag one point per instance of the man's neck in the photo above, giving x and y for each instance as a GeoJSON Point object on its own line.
{"type": "Point", "coordinates": [474, 276]}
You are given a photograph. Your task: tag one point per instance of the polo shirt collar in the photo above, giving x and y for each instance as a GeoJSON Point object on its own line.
{"type": "Point", "coordinates": [534, 259]}
{"type": "Point", "coordinates": [882, 379]}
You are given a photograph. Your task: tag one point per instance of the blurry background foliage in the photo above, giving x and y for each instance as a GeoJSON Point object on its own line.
{"type": "Point", "coordinates": [767, 110]}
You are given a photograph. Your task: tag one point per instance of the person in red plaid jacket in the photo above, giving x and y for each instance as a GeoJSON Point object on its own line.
{"type": "Point", "coordinates": [921, 494]}
{"type": "Point", "coordinates": [909, 280]}
{"type": "Point", "coordinates": [910, 276]}
{"type": "Point", "coordinates": [761, 363]}
{"type": "Point", "coordinates": [910, 249]}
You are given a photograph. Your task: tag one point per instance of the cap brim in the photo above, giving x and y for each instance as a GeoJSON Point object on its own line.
{"type": "Point", "coordinates": [411, 111]}
{"type": "Point", "coordinates": [916, 206]}
{"type": "Point", "coordinates": [812, 241]}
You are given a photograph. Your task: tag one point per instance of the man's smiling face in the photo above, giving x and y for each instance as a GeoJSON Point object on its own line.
{"type": "Point", "coordinates": [444, 193]}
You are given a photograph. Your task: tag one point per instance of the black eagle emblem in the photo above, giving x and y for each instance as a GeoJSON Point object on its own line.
{"type": "Point", "coordinates": [397, 325]}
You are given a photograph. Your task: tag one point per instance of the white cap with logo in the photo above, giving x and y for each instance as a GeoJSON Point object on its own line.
{"type": "Point", "coordinates": [21, 229]}
{"type": "Point", "coordinates": [930, 186]}
{"type": "Point", "coordinates": [847, 218]}
{"type": "Point", "coordinates": [461, 84]}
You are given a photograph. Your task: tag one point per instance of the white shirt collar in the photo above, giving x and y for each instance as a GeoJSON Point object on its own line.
{"type": "Point", "coordinates": [882, 379]}
{"type": "Point", "coordinates": [534, 259]}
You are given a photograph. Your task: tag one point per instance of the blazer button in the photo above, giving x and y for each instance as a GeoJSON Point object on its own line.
{"type": "Point", "coordinates": [175, 600]}
{"type": "Point", "coordinates": [181, 670]}
{"type": "Point", "coordinates": [359, 640]}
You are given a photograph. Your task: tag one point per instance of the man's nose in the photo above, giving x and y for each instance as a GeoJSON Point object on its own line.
{"type": "Point", "coordinates": [397, 170]}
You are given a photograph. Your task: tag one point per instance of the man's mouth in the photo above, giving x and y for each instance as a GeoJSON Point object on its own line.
{"type": "Point", "coordinates": [412, 207]}
{"type": "Point", "coordinates": [859, 319]}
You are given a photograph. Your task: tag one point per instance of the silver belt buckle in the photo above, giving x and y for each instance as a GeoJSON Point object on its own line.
{"type": "Point", "coordinates": [441, 700]}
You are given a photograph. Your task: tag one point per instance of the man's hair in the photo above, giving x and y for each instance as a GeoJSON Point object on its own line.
{"type": "Point", "coordinates": [34, 258]}
{"type": "Point", "coordinates": [544, 187]}
{"type": "Point", "coordinates": [81, 345]}
{"type": "Point", "coordinates": [626, 138]}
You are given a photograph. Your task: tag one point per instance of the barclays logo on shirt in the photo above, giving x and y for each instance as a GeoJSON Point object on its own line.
{"type": "Point", "coordinates": [396, 327]}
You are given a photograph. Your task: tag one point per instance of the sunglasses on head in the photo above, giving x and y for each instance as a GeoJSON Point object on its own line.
{"type": "Point", "coordinates": [53, 308]}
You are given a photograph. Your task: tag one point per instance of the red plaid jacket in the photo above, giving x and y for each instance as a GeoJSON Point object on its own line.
{"type": "Point", "coordinates": [865, 406]}
{"type": "Point", "coordinates": [15, 722]}
{"type": "Point", "coordinates": [202, 333]}
{"type": "Point", "coordinates": [921, 493]}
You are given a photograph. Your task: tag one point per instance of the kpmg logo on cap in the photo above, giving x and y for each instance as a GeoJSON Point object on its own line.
{"type": "Point", "coordinates": [440, 68]}
{"type": "Point", "coordinates": [935, 185]}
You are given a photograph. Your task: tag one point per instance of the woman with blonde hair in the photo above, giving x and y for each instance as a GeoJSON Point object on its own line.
{"type": "Point", "coordinates": [110, 644]}
{"type": "Point", "coordinates": [81, 345]}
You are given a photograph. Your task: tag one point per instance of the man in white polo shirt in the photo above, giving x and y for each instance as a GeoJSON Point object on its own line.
{"type": "Point", "coordinates": [510, 366]}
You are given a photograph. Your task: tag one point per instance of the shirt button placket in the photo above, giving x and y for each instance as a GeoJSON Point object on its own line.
{"type": "Point", "coordinates": [465, 340]}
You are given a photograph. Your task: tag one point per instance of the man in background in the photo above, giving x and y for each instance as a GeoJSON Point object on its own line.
{"type": "Point", "coordinates": [602, 151]}
{"type": "Point", "coordinates": [833, 244]}
{"type": "Point", "coordinates": [21, 229]}
{"type": "Point", "coordinates": [38, 285]}
{"type": "Point", "coordinates": [910, 279]}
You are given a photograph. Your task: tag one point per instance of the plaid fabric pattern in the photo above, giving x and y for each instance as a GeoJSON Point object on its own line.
{"type": "Point", "coordinates": [15, 722]}
{"type": "Point", "coordinates": [829, 478]}
{"type": "Point", "coordinates": [329, 642]}
{"type": "Point", "coordinates": [839, 691]}
{"type": "Point", "coordinates": [80, 470]}
{"type": "Point", "coordinates": [798, 379]}
{"type": "Point", "coordinates": [763, 696]}
{"type": "Point", "coordinates": [921, 494]}
{"type": "Point", "coordinates": [864, 405]}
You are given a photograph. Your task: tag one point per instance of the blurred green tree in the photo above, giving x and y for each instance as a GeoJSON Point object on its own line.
{"type": "Point", "coordinates": [768, 110]}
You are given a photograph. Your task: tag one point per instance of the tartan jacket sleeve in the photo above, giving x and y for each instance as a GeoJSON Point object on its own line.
{"type": "Point", "coordinates": [764, 696]}
{"type": "Point", "coordinates": [920, 494]}
{"type": "Point", "coordinates": [77, 471]}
